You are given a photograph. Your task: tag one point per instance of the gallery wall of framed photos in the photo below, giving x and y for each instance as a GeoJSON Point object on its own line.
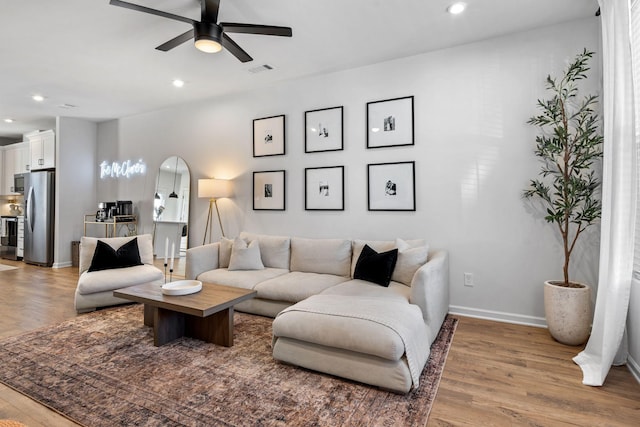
{"type": "Point", "coordinates": [389, 186]}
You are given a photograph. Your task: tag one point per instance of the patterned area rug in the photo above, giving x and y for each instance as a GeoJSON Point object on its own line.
{"type": "Point", "coordinates": [101, 369]}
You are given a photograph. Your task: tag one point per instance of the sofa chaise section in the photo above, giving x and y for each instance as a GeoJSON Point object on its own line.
{"type": "Point", "coordinates": [367, 339]}
{"type": "Point", "coordinates": [365, 342]}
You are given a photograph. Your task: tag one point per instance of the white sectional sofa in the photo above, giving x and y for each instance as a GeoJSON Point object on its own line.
{"type": "Point", "coordinates": [325, 319]}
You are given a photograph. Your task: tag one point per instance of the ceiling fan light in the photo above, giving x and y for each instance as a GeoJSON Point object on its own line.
{"type": "Point", "coordinates": [208, 45]}
{"type": "Point", "coordinates": [207, 37]}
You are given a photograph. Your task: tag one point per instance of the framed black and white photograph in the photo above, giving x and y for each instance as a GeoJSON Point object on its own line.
{"type": "Point", "coordinates": [323, 130]}
{"type": "Point", "coordinates": [391, 186]}
{"type": "Point", "coordinates": [390, 122]}
{"type": "Point", "coordinates": [268, 136]}
{"type": "Point", "coordinates": [324, 188]}
{"type": "Point", "coordinates": [269, 190]}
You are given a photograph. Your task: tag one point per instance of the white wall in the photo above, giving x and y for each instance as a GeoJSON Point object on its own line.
{"type": "Point", "coordinates": [473, 153]}
{"type": "Point", "coordinates": [76, 171]}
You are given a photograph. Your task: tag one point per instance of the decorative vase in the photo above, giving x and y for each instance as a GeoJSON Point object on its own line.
{"type": "Point", "coordinates": [568, 311]}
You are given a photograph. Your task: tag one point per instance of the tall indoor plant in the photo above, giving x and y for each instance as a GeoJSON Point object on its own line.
{"type": "Point", "coordinates": [569, 145]}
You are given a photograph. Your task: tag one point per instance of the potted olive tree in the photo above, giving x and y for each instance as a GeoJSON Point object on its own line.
{"type": "Point", "coordinates": [568, 146]}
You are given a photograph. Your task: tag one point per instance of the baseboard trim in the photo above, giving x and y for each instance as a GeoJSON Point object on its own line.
{"type": "Point", "coordinates": [634, 367]}
{"type": "Point", "coordinates": [61, 264]}
{"type": "Point", "coordinates": [499, 316]}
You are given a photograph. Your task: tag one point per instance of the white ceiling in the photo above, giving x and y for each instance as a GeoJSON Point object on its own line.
{"type": "Point", "coordinates": [101, 58]}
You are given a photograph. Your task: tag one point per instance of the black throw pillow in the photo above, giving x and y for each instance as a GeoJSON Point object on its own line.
{"type": "Point", "coordinates": [376, 267]}
{"type": "Point", "coordinates": [105, 257]}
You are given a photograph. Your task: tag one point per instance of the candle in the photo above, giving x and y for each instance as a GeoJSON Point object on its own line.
{"type": "Point", "coordinates": [166, 250]}
{"type": "Point", "coordinates": [173, 249]}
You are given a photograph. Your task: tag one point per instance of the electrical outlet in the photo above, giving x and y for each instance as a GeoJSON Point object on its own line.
{"type": "Point", "coordinates": [468, 279]}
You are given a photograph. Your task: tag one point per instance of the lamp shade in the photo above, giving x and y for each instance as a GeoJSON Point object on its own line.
{"type": "Point", "coordinates": [214, 188]}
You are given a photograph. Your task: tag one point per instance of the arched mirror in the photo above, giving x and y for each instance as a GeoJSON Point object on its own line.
{"type": "Point", "coordinates": [171, 207]}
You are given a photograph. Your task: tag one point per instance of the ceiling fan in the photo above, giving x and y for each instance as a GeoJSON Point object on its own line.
{"type": "Point", "coordinates": [209, 35]}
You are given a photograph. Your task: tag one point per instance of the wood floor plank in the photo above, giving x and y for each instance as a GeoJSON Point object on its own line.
{"type": "Point", "coordinates": [500, 374]}
{"type": "Point", "coordinates": [497, 374]}
{"type": "Point", "coordinates": [15, 406]}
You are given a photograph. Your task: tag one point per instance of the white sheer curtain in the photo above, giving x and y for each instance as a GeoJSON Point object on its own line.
{"type": "Point", "coordinates": [606, 345]}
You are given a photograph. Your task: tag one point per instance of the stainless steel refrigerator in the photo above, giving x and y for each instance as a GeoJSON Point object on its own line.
{"type": "Point", "coordinates": [39, 189]}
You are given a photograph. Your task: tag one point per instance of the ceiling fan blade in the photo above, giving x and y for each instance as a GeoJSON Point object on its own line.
{"type": "Point", "coordinates": [235, 50]}
{"type": "Point", "coordinates": [210, 10]}
{"type": "Point", "coordinates": [176, 41]}
{"type": "Point", "coordinates": [151, 11]}
{"type": "Point", "coordinates": [269, 30]}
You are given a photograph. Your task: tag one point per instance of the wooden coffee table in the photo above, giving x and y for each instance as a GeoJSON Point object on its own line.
{"type": "Point", "coordinates": [205, 315]}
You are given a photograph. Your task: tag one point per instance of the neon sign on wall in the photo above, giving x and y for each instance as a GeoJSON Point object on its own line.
{"type": "Point", "coordinates": [125, 169]}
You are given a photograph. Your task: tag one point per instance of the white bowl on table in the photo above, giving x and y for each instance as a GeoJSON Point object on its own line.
{"type": "Point", "coordinates": [182, 287]}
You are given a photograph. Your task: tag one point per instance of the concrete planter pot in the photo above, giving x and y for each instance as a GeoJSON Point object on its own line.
{"type": "Point", "coordinates": [568, 311]}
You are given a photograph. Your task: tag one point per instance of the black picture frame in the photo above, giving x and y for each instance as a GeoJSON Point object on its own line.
{"type": "Point", "coordinates": [391, 186]}
{"type": "Point", "coordinates": [269, 136]}
{"type": "Point", "coordinates": [390, 123]}
{"type": "Point", "coordinates": [324, 130]}
{"type": "Point", "coordinates": [324, 188]}
{"type": "Point", "coordinates": [269, 190]}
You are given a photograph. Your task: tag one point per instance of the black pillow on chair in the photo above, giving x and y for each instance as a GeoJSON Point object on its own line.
{"type": "Point", "coordinates": [106, 258]}
{"type": "Point", "coordinates": [376, 267]}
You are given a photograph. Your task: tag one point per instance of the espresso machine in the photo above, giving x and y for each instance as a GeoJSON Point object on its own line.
{"type": "Point", "coordinates": [106, 211]}
{"type": "Point", "coordinates": [124, 207]}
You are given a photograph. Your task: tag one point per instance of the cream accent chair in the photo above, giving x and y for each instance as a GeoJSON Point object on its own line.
{"type": "Point", "coordinates": [95, 289]}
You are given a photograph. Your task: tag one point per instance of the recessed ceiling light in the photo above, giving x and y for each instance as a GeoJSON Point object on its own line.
{"type": "Point", "coordinates": [38, 98]}
{"type": "Point", "coordinates": [457, 8]}
{"type": "Point", "coordinates": [8, 120]}
{"type": "Point", "coordinates": [178, 83]}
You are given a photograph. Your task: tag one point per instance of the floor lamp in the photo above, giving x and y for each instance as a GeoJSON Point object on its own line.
{"type": "Point", "coordinates": [213, 189]}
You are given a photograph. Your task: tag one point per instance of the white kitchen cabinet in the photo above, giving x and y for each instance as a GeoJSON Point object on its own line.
{"type": "Point", "coordinates": [23, 157]}
{"type": "Point", "coordinates": [8, 170]}
{"type": "Point", "coordinates": [15, 160]}
{"type": "Point", "coordinates": [43, 150]}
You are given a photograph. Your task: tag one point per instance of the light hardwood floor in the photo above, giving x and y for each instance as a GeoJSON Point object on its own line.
{"type": "Point", "coordinates": [496, 374]}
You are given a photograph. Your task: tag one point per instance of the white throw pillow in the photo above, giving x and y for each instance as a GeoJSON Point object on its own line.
{"type": "Point", "coordinates": [224, 254]}
{"type": "Point", "coordinates": [274, 250]}
{"type": "Point", "coordinates": [410, 259]}
{"type": "Point", "coordinates": [245, 257]}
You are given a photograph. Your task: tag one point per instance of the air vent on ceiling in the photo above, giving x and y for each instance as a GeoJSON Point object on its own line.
{"type": "Point", "coordinates": [67, 106]}
{"type": "Point", "coordinates": [260, 69]}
